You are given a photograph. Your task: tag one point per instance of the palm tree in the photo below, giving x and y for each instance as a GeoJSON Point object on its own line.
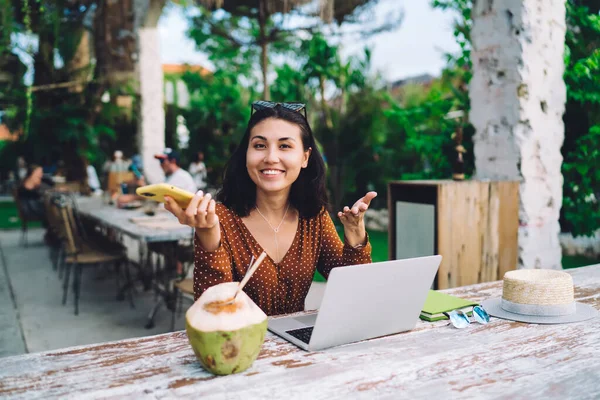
{"type": "Point", "coordinates": [261, 10]}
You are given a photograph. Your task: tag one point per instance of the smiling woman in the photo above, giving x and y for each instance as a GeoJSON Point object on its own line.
{"type": "Point", "coordinates": [276, 156]}
{"type": "Point", "coordinates": [274, 200]}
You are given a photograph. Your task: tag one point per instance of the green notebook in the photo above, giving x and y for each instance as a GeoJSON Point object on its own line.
{"type": "Point", "coordinates": [438, 303]}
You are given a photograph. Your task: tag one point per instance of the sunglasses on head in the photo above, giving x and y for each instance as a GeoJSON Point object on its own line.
{"type": "Point", "coordinates": [262, 104]}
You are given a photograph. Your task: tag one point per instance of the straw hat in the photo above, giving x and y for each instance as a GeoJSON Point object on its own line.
{"type": "Point", "coordinates": [538, 296]}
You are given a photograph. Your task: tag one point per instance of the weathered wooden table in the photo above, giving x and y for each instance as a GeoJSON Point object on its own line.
{"type": "Point", "coordinates": [503, 359]}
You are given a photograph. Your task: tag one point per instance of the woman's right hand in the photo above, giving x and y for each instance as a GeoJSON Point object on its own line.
{"type": "Point", "coordinates": [199, 214]}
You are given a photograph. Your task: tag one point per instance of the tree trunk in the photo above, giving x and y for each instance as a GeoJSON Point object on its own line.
{"type": "Point", "coordinates": [43, 65]}
{"type": "Point", "coordinates": [115, 44]}
{"type": "Point", "coordinates": [151, 123]}
{"type": "Point", "coordinates": [517, 101]}
{"type": "Point", "coordinates": [264, 48]}
{"type": "Point", "coordinates": [324, 105]}
{"type": "Point", "coordinates": [79, 65]}
{"type": "Point", "coordinates": [344, 93]}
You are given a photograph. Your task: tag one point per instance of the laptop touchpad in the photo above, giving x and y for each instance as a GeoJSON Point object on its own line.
{"type": "Point", "coordinates": [307, 320]}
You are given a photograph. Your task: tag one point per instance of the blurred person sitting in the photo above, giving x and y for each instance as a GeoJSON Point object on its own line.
{"type": "Point", "coordinates": [31, 192]}
{"type": "Point", "coordinates": [21, 168]}
{"type": "Point", "coordinates": [118, 173]}
{"type": "Point", "coordinates": [198, 171]}
{"type": "Point", "coordinates": [175, 175]}
{"type": "Point", "coordinates": [136, 162]}
{"type": "Point", "coordinates": [93, 181]}
{"type": "Point", "coordinates": [118, 164]}
{"type": "Point", "coordinates": [178, 177]}
{"type": "Point", "coordinates": [114, 164]}
{"type": "Point", "coordinates": [49, 166]}
{"type": "Point", "coordinates": [131, 185]}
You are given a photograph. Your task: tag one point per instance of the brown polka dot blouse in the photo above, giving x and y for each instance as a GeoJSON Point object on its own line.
{"type": "Point", "coordinates": [275, 288]}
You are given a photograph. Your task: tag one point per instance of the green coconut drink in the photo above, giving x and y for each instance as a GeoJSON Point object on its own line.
{"type": "Point", "coordinates": [226, 336]}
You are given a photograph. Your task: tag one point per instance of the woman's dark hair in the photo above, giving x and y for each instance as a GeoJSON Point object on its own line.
{"type": "Point", "coordinates": [308, 193]}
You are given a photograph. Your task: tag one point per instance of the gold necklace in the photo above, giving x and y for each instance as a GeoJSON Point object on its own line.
{"type": "Point", "coordinates": [276, 230]}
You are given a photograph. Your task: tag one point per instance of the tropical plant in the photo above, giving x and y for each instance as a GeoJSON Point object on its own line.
{"type": "Point", "coordinates": [351, 124]}
{"type": "Point", "coordinates": [216, 118]}
{"type": "Point", "coordinates": [257, 30]}
{"type": "Point", "coordinates": [61, 115]}
{"type": "Point", "coordinates": [322, 65]}
{"type": "Point", "coordinates": [581, 148]}
{"type": "Point", "coordinates": [290, 85]}
{"type": "Point", "coordinates": [582, 184]}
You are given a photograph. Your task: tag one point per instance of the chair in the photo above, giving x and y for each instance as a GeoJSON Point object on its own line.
{"type": "Point", "coordinates": [162, 278]}
{"type": "Point", "coordinates": [54, 230]}
{"type": "Point", "coordinates": [181, 289]}
{"type": "Point", "coordinates": [73, 187]}
{"type": "Point", "coordinates": [23, 216]}
{"type": "Point", "coordinates": [78, 254]}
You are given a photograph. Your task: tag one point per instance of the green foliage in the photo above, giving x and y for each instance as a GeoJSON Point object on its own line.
{"type": "Point", "coordinates": [424, 130]}
{"type": "Point", "coordinates": [218, 112]}
{"type": "Point", "coordinates": [14, 98]}
{"type": "Point", "coordinates": [290, 85]}
{"type": "Point", "coordinates": [462, 32]}
{"type": "Point", "coordinates": [582, 184]}
{"type": "Point", "coordinates": [320, 60]}
{"type": "Point", "coordinates": [582, 76]}
{"type": "Point", "coordinates": [229, 40]}
{"type": "Point", "coordinates": [352, 127]}
{"type": "Point", "coordinates": [366, 137]}
{"type": "Point", "coordinates": [58, 123]}
{"type": "Point", "coordinates": [233, 39]}
{"type": "Point", "coordinates": [581, 191]}
{"type": "Point", "coordinates": [360, 133]}
{"type": "Point", "coordinates": [7, 26]}
{"type": "Point", "coordinates": [63, 129]}
{"type": "Point", "coordinates": [424, 134]}
{"type": "Point", "coordinates": [420, 144]}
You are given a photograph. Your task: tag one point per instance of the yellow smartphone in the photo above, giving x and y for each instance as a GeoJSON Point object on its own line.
{"type": "Point", "coordinates": [158, 192]}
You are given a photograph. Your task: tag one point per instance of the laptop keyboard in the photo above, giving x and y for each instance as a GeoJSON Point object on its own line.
{"type": "Point", "coordinates": [302, 334]}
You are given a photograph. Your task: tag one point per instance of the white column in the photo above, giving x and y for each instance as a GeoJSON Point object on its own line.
{"type": "Point", "coordinates": [517, 101]}
{"type": "Point", "coordinates": [152, 124]}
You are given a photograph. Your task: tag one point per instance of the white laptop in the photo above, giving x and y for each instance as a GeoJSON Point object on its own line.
{"type": "Point", "coordinates": [363, 302]}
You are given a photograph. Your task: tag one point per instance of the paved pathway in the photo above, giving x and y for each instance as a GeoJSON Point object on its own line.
{"type": "Point", "coordinates": [32, 317]}
{"type": "Point", "coordinates": [11, 336]}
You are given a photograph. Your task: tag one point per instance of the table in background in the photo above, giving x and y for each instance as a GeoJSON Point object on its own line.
{"type": "Point", "coordinates": [503, 359]}
{"type": "Point", "coordinates": [120, 220]}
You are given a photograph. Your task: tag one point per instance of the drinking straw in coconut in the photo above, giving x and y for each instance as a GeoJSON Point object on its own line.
{"type": "Point", "coordinates": [249, 274]}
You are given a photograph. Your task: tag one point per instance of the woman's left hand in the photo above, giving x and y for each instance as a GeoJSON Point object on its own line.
{"type": "Point", "coordinates": [353, 219]}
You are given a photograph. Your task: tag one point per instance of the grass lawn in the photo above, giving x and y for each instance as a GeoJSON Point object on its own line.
{"type": "Point", "coordinates": [379, 241]}
{"type": "Point", "coordinates": [9, 217]}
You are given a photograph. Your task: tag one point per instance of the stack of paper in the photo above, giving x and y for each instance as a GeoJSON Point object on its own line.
{"type": "Point", "coordinates": [438, 303]}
